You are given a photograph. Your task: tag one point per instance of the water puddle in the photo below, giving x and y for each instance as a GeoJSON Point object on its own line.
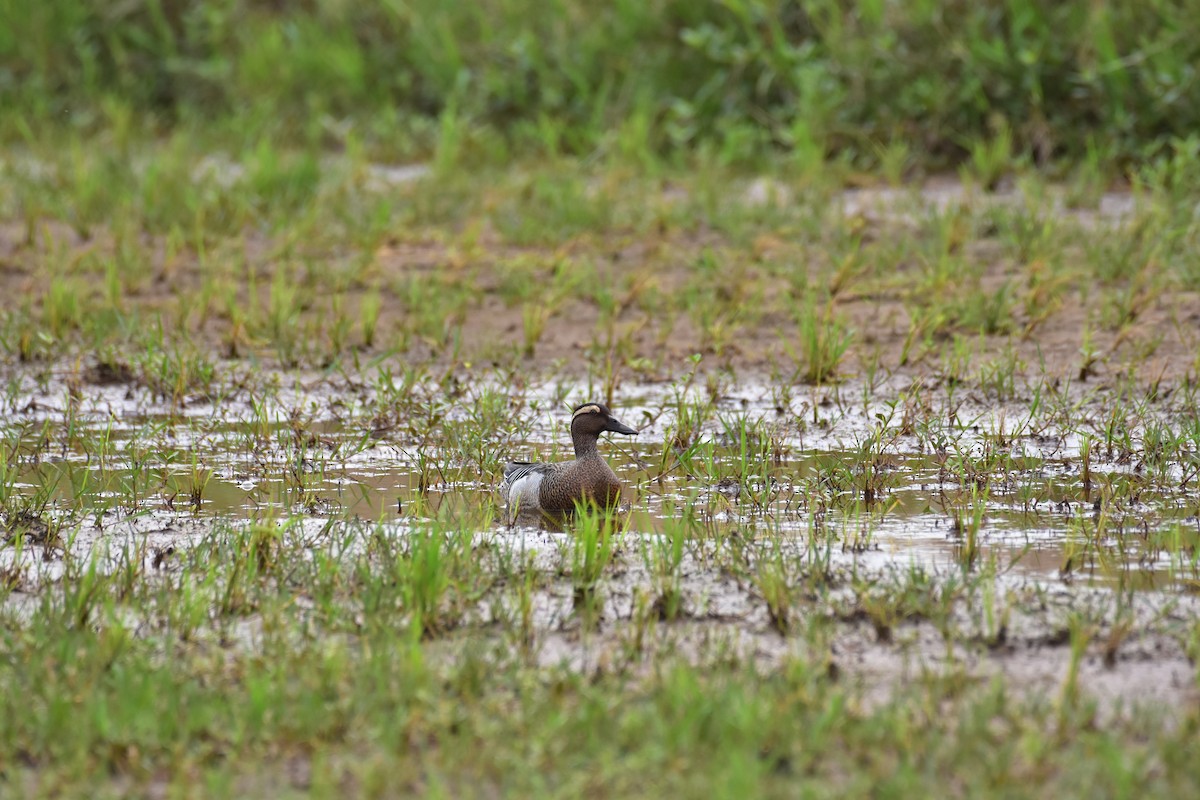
{"type": "Point", "coordinates": [981, 490]}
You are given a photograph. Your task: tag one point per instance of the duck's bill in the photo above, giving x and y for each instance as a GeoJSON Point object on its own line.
{"type": "Point", "coordinates": [619, 427]}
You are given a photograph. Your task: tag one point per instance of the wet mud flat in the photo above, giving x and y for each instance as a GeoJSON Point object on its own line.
{"type": "Point", "coordinates": [875, 625]}
{"type": "Point", "coordinates": [1044, 542]}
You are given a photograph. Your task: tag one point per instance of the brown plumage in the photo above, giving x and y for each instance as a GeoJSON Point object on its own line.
{"type": "Point", "coordinates": [558, 486]}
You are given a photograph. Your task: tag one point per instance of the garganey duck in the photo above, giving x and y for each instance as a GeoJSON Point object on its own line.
{"type": "Point", "coordinates": [558, 486]}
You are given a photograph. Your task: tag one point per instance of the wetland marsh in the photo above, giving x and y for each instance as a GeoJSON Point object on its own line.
{"type": "Point", "coordinates": [914, 508]}
{"type": "Point", "coordinates": [840, 500]}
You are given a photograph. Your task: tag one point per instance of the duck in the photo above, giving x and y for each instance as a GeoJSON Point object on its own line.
{"type": "Point", "coordinates": [558, 486]}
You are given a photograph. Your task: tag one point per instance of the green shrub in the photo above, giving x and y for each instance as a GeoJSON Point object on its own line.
{"type": "Point", "coordinates": [745, 75]}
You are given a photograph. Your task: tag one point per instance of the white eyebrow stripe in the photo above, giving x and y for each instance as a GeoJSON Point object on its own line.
{"type": "Point", "coordinates": [591, 408]}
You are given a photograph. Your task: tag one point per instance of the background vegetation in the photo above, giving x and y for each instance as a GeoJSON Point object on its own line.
{"type": "Point", "coordinates": [742, 77]}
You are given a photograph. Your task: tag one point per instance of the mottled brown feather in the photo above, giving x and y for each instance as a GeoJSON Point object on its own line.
{"type": "Point", "coordinates": [588, 478]}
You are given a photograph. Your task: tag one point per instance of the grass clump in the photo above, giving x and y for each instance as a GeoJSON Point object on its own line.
{"type": "Point", "coordinates": [823, 342]}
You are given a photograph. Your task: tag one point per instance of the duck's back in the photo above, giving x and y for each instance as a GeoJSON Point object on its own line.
{"type": "Point", "coordinates": [559, 486]}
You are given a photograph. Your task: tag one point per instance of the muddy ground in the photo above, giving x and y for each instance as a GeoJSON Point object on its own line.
{"type": "Point", "coordinates": [1137, 644]}
{"type": "Point", "coordinates": [1157, 344]}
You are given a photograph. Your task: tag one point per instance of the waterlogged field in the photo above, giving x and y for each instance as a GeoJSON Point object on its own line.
{"type": "Point", "coordinates": [1065, 485]}
{"type": "Point", "coordinates": [915, 504]}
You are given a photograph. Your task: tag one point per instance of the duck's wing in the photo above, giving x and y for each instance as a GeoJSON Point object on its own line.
{"type": "Point", "coordinates": [522, 481]}
{"type": "Point", "coordinates": [515, 470]}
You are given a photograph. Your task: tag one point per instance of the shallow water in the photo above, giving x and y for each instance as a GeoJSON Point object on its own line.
{"type": "Point", "coordinates": [824, 464]}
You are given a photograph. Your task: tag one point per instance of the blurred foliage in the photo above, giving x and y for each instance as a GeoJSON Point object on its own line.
{"type": "Point", "coordinates": [825, 77]}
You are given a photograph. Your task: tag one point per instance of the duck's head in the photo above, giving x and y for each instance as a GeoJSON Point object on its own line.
{"type": "Point", "coordinates": [593, 419]}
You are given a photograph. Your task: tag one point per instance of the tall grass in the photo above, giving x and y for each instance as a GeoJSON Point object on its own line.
{"type": "Point", "coordinates": [737, 78]}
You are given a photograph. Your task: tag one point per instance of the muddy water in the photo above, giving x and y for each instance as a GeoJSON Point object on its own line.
{"type": "Point", "coordinates": [818, 466]}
